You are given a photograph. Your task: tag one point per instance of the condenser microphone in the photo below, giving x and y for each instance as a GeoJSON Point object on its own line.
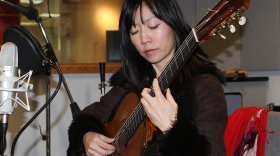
{"type": "Point", "coordinates": [9, 66]}
{"type": "Point", "coordinates": [10, 84]}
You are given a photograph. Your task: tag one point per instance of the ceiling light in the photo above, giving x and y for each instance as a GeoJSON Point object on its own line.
{"type": "Point", "coordinates": [47, 15]}
{"type": "Point", "coordinates": [28, 23]}
{"type": "Point", "coordinates": [34, 1]}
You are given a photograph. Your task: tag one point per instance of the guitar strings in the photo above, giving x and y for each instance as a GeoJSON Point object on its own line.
{"type": "Point", "coordinates": [151, 87]}
{"type": "Point", "coordinates": [152, 92]}
{"type": "Point", "coordinates": [139, 107]}
{"type": "Point", "coordinates": [177, 53]}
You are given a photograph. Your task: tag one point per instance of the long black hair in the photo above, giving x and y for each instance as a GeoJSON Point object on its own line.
{"type": "Point", "coordinates": [136, 72]}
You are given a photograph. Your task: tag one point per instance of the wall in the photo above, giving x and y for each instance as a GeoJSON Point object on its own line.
{"type": "Point", "coordinates": [272, 86]}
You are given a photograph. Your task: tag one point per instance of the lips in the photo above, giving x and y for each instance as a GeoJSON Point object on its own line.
{"type": "Point", "coordinates": [150, 51]}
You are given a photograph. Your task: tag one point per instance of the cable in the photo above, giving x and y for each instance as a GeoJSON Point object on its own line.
{"type": "Point", "coordinates": [41, 109]}
{"type": "Point", "coordinates": [3, 145]}
{"type": "Point", "coordinates": [48, 11]}
{"type": "Point", "coordinates": [49, 8]}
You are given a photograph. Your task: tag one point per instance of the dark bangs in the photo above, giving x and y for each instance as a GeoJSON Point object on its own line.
{"type": "Point", "coordinates": [164, 10]}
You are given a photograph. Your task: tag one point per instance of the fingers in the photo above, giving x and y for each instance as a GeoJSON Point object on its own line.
{"type": "Point", "coordinates": [98, 145]}
{"type": "Point", "coordinates": [145, 98]}
{"type": "Point", "coordinates": [157, 89]}
{"type": "Point", "coordinates": [169, 97]}
{"type": "Point", "coordinates": [106, 139]}
{"type": "Point", "coordinates": [146, 91]}
{"type": "Point", "coordinates": [146, 106]}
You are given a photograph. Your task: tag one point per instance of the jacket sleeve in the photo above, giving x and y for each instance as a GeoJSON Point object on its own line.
{"type": "Point", "coordinates": [204, 137]}
{"type": "Point", "coordinates": [212, 114]}
{"type": "Point", "coordinates": [92, 119]}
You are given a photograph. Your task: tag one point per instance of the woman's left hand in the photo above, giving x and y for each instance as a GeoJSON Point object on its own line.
{"type": "Point", "coordinates": [161, 111]}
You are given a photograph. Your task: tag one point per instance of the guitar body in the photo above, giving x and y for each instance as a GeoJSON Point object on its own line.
{"type": "Point", "coordinates": [136, 143]}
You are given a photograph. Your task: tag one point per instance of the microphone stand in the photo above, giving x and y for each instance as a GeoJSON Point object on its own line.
{"type": "Point", "coordinates": [102, 85]}
{"type": "Point", "coordinates": [47, 137]}
{"type": "Point", "coordinates": [74, 107]}
{"type": "Point", "coordinates": [32, 14]}
{"type": "Point", "coordinates": [50, 54]}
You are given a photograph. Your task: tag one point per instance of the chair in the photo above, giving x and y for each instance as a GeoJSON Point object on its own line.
{"type": "Point", "coordinates": [273, 124]}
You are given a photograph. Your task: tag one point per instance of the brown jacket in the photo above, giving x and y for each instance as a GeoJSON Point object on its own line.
{"type": "Point", "coordinates": [203, 136]}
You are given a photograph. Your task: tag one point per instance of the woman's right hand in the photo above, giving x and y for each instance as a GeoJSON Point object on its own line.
{"type": "Point", "coordinates": [97, 144]}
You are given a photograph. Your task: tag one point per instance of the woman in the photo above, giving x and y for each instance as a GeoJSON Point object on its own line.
{"type": "Point", "coordinates": [190, 119]}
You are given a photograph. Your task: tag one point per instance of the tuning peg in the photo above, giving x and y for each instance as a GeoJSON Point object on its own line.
{"type": "Point", "coordinates": [242, 20]}
{"type": "Point", "coordinates": [216, 3]}
{"type": "Point", "coordinates": [232, 28]}
{"type": "Point", "coordinates": [222, 36]}
{"type": "Point", "coordinates": [234, 17]}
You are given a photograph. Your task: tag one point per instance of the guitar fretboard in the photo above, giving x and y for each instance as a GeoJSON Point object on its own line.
{"type": "Point", "coordinates": [166, 77]}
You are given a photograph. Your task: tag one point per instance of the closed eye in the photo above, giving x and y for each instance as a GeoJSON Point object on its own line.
{"type": "Point", "coordinates": [133, 33]}
{"type": "Point", "coordinates": [154, 27]}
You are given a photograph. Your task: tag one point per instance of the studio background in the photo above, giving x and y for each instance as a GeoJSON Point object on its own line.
{"type": "Point", "coordinates": [254, 47]}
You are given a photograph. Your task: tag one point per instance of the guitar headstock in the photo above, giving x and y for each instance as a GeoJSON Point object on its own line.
{"type": "Point", "coordinates": [220, 17]}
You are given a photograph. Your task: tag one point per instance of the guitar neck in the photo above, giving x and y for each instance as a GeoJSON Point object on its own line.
{"type": "Point", "coordinates": [165, 79]}
{"type": "Point", "coordinates": [176, 63]}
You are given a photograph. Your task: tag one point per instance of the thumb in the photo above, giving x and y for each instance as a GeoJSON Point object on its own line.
{"type": "Point", "coordinates": [106, 139]}
{"type": "Point", "coordinates": [169, 97]}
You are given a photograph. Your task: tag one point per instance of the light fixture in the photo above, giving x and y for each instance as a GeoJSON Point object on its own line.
{"type": "Point", "coordinates": [34, 1]}
{"type": "Point", "coordinates": [28, 23]}
{"type": "Point", "coordinates": [47, 15]}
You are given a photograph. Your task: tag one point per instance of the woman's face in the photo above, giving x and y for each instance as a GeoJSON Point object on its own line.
{"type": "Point", "coordinates": [154, 39]}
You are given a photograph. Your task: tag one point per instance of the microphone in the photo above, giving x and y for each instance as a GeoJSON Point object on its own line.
{"type": "Point", "coordinates": [29, 12]}
{"type": "Point", "coordinates": [10, 84]}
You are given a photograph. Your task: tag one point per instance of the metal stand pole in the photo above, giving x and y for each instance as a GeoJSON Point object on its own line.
{"type": "Point", "coordinates": [48, 110]}
{"type": "Point", "coordinates": [74, 106]}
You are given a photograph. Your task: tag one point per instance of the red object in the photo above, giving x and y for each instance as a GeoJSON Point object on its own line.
{"type": "Point", "coordinates": [5, 9]}
{"type": "Point", "coordinates": [236, 126]}
{"type": "Point", "coordinates": [8, 17]}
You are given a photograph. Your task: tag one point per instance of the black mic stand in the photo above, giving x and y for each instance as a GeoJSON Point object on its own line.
{"type": "Point", "coordinates": [51, 55]}
{"type": "Point", "coordinates": [102, 85]}
{"type": "Point", "coordinates": [32, 14]}
{"type": "Point", "coordinates": [74, 107]}
{"type": "Point", "coordinates": [47, 137]}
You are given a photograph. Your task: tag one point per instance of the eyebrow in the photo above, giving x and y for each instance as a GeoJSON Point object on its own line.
{"type": "Point", "coordinates": [146, 20]}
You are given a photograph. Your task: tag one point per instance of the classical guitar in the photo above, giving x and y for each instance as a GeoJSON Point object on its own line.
{"type": "Point", "coordinates": [127, 127]}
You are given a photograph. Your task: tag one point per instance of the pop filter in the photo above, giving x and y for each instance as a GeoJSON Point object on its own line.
{"type": "Point", "coordinates": [30, 51]}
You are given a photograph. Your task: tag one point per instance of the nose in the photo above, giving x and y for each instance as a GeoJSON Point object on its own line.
{"type": "Point", "coordinates": [145, 36]}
